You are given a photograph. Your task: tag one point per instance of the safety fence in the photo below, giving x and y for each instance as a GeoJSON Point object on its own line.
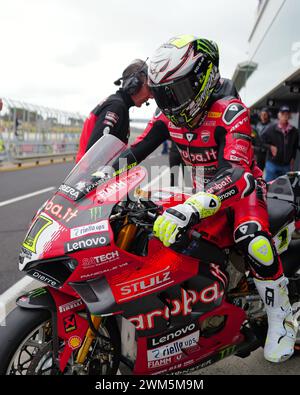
{"type": "Point", "coordinates": [28, 132]}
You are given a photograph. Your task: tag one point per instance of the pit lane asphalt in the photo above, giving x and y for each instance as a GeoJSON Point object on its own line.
{"type": "Point", "coordinates": [14, 220]}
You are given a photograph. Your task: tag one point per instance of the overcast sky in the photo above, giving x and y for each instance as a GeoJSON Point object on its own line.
{"type": "Point", "coordinates": [66, 53]}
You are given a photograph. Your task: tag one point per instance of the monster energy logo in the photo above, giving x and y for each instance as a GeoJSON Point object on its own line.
{"type": "Point", "coordinates": [37, 292]}
{"type": "Point", "coordinates": [226, 352]}
{"type": "Point", "coordinates": [206, 46]}
{"type": "Point", "coordinates": [96, 213]}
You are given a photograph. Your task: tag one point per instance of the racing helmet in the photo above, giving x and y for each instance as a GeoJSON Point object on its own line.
{"type": "Point", "coordinates": [182, 75]}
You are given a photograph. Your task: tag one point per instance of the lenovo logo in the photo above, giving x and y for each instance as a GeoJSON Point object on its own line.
{"type": "Point", "coordinates": [172, 336]}
{"type": "Point", "coordinates": [87, 242]}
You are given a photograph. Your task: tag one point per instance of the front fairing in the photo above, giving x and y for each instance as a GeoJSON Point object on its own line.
{"type": "Point", "coordinates": [77, 216]}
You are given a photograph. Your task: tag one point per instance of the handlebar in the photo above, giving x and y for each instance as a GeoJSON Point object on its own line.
{"type": "Point", "coordinates": [195, 235]}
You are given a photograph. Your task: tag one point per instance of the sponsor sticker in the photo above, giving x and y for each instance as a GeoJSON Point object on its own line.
{"type": "Point", "coordinates": [228, 193]}
{"type": "Point", "coordinates": [87, 229]}
{"type": "Point", "coordinates": [240, 123]}
{"type": "Point", "coordinates": [159, 363]}
{"type": "Point", "coordinates": [183, 306]}
{"type": "Point", "coordinates": [213, 114]}
{"type": "Point", "coordinates": [72, 193]}
{"type": "Point", "coordinates": [43, 278]}
{"type": "Point", "coordinates": [206, 156]}
{"type": "Point", "coordinates": [174, 127]}
{"type": "Point", "coordinates": [70, 323]}
{"type": "Point", "coordinates": [70, 306]}
{"type": "Point", "coordinates": [172, 335]}
{"type": "Point", "coordinates": [173, 348]}
{"type": "Point", "coordinates": [35, 231]}
{"type": "Point", "coordinates": [105, 270]}
{"type": "Point", "coordinates": [101, 259]}
{"type": "Point", "coordinates": [205, 136]}
{"type": "Point", "coordinates": [74, 342]}
{"type": "Point", "coordinates": [60, 212]}
{"type": "Point", "coordinates": [96, 213]}
{"type": "Point", "coordinates": [219, 185]}
{"type": "Point", "coordinates": [87, 242]}
{"type": "Point", "coordinates": [117, 187]}
{"type": "Point", "coordinates": [178, 136]}
{"type": "Point", "coordinates": [145, 284]}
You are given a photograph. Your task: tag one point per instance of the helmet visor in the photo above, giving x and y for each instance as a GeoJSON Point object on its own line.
{"type": "Point", "coordinates": [174, 96]}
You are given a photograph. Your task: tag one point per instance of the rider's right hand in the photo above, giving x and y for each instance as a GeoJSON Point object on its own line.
{"type": "Point", "coordinates": [180, 217]}
{"type": "Point", "coordinates": [172, 221]}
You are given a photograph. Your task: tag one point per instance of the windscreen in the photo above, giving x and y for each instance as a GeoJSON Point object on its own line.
{"type": "Point", "coordinates": [94, 168]}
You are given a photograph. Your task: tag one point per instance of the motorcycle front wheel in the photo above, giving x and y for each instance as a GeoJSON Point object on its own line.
{"type": "Point", "coordinates": [26, 347]}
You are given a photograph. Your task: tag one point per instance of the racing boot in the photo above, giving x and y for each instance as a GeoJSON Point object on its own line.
{"type": "Point", "coordinates": [282, 327]}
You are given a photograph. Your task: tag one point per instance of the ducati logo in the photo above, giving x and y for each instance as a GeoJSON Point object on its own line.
{"type": "Point", "coordinates": [205, 136]}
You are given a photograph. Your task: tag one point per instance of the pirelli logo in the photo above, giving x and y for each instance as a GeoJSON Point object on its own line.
{"type": "Point", "coordinates": [213, 114]}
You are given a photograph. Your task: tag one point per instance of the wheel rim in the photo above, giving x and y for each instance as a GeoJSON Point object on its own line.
{"type": "Point", "coordinates": [34, 356]}
{"type": "Point", "coordinates": [27, 350]}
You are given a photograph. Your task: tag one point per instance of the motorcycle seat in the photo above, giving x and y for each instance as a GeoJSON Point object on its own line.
{"type": "Point", "coordinates": [280, 213]}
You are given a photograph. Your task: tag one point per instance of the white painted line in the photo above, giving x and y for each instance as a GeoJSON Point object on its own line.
{"type": "Point", "coordinates": [29, 195]}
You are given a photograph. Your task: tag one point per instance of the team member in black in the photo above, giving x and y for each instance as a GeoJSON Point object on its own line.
{"type": "Point", "coordinates": [111, 116]}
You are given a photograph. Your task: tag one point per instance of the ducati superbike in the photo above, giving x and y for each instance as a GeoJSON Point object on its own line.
{"type": "Point", "coordinates": [112, 297]}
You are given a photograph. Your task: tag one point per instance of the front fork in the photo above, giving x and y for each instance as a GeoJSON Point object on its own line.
{"type": "Point", "coordinates": [89, 337]}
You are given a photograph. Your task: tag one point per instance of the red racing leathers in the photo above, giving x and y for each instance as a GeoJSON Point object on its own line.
{"type": "Point", "coordinates": [221, 155]}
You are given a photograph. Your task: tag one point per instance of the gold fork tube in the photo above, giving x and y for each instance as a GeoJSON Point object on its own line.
{"type": "Point", "coordinates": [89, 337]}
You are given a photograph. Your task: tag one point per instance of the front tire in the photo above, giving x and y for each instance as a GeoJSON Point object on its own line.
{"type": "Point", "coordinates": [26, 345]}
{"type": "Point", "coordinates": [18, 326]}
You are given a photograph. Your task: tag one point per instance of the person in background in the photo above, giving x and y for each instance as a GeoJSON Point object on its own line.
{"type": "Point", "coordinates": [281, 140]}
{"type": "Point", "coordinates": [260, 150]}
{"type": "Point", "coordinates": [111, 116]}
{"type": "Point", "coordinates": [165, 149]}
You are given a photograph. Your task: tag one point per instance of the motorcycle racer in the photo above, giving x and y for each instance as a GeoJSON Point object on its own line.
{"type": "Point", "coordinates": [211, 127]}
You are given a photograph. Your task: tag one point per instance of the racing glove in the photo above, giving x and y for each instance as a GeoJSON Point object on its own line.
{"type": "Point", "coordinates": [173, 220]}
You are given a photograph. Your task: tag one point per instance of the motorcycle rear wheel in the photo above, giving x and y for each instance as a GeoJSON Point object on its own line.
{"type": "Point", "coordinates": [26, 347]}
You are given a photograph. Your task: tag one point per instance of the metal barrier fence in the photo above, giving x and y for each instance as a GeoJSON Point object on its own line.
{"type": "Point", "coordinates": [29, 150]}
{"type": "Point", "coordinates": [29, 131]}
